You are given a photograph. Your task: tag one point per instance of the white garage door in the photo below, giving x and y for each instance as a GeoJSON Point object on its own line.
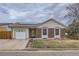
{"type": "Point", "coordinates": [20, 35]}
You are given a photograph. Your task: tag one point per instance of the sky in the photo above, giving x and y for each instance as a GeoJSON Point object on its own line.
{"type": "Point", "coordinates": [32, 12]}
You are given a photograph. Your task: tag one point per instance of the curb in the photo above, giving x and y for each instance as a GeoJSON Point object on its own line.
{"type": "Point", "coordinates": [42, 49]}
{"type": "Point", "coordinates": [49, 49]}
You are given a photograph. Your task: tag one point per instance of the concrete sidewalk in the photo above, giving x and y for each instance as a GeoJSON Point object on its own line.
{"type": "Point", "coordinates": [13, 44]}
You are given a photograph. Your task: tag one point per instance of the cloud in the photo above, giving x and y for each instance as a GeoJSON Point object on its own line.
{"type": "Point", "coordinates": [31, 12]}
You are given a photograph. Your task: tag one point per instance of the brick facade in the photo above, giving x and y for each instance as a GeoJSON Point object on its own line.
{"type": "Point", "coordinates": [62, 33]}
{"type": "Point", "coordinates": [50, 33]}
{"type": "Point", "coordinates": [38, 32]}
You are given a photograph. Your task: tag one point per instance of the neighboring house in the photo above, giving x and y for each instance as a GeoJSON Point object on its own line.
{"type": "Point", "coordinates": [48, 29]}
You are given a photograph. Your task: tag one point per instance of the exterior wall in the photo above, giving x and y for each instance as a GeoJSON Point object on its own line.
{"type": "Point", "coordinates": [5, 28]}
{"type": "Point", "coordinates": [13, 34]}
{"type": "Point", "coordinates": [62, 32]}
{"type": "Point", "coordinates": [27, 31]}
{"type": "Point", "coordinates": [2, 29]}
{"type": "Point", "coordinates": [51, 32]}
{"type": "Point", "coordinates": [38, 32]}
{"type": "Point", "coordinates": [51, 25]}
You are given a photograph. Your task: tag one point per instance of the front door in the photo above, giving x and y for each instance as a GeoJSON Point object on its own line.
{"type": "Point", "coordinates": [44, 33]}
{"type": "Point", "coordinates": [56, 33]}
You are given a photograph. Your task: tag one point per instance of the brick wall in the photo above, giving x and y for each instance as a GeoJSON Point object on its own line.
{"type": "Point", "coordinates": [62, 33]}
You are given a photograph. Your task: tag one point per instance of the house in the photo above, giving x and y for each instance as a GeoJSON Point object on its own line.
{"type": "Point", "coordinates": [48, 29]}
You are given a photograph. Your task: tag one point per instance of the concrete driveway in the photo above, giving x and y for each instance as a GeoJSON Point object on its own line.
{"type": "Point", "coordinates": [12, 44]}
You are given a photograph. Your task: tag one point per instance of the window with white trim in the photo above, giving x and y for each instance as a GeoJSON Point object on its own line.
{"type": "Point", "coordinates": [56, 31]}
{"type": "Point", "coordinates": [44, 31]}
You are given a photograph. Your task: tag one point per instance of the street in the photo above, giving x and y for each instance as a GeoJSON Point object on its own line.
{"type": "Point", "coordinates": [40, 53]}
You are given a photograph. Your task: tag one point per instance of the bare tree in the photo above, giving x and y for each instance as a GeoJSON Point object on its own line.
{"type": "Point", "coordinates": [73, 12]}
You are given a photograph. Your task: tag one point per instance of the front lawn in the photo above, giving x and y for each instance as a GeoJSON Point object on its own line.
{"type": "Point", "coordinates": [54, 43]}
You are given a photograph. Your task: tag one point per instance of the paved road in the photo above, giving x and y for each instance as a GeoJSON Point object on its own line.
{"type": "Point", "coordinates": [39, 53]}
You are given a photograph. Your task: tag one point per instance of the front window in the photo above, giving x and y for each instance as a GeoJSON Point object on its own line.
{"type": "Point", "coordinates": [44, 31]}
{"type": "Point", "coordinates": [56, 31]}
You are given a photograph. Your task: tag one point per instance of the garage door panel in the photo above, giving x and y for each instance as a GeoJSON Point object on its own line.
{"type": "Point", "coordinates": [20, 35]}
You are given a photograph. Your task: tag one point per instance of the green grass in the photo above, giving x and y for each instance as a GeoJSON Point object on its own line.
{"type": "Point", "coordinates": [55, 43]}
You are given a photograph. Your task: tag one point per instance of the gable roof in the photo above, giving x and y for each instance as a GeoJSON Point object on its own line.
{"type": "Point", "coordinates": [52, 20]}
{"type": "Point", "coordinates": [21, 25]}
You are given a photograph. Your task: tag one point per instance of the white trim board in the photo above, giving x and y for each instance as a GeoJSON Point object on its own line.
{"type": "Point", "coordinates": [58, 36]}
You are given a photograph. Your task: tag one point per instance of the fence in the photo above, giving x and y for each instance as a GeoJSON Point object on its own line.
{"type": "Point", "coordinates": [5, 35]}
